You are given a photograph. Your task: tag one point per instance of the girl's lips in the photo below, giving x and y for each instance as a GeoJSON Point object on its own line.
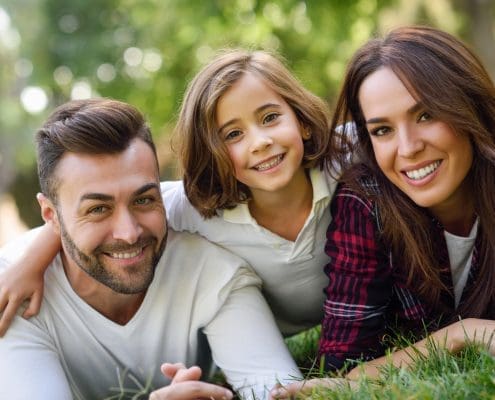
{"type": "Point", "coordinates": [269, 163]}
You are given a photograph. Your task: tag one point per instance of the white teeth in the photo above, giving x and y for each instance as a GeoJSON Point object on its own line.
{"type": "Point", "coordinates": [126, 255]}
{"type": "Point", "coordinates": [422, 172]}
{"type": "Point", "coordinates": [269, 164]}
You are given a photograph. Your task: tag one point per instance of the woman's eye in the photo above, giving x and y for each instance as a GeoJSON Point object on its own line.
{"type": "Point", "coordinates": [270, 117]}
{"type": "Point", "coordinates": [424, 117]}
{"type": "Point", "coordinates": [380, 131]}
{"type": "Point", "coordinates": [232, 135]}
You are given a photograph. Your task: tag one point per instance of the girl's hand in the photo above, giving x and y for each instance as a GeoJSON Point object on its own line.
{"type": "Point", "coordinates": [16, 287]}
{"type": "Point", "coordinates": [23, 281]}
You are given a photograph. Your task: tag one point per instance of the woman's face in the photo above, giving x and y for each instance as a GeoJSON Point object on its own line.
{"type": "Point", "coordinates": [423, 156]}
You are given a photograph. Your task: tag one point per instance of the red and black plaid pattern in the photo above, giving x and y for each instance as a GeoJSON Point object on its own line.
{"type": "Point", "coordinates": [367, 295]}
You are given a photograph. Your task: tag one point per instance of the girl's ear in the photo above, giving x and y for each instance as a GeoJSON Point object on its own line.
{"type": "Point", "coordinates": [48, 211]}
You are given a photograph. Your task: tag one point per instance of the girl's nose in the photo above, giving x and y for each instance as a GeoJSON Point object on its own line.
{"type": "Point", "coordinates": [260, 141]}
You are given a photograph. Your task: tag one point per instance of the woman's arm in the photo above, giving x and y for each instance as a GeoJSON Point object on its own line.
{"type": "Point", "coordinates": [24, 279]}
{"type": "Point", "coordinates": [453, 338]}
{"type": "Point", "coordinates": [360, 283]}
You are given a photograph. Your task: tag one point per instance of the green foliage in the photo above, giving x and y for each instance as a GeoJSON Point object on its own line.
{"type": "Point", "coordinates": [146, 51]}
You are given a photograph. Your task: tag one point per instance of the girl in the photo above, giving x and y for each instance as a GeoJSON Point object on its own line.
{"type": "Point", "coordinates": [254, 145]}
{"type": "Point", "coordinates": [412, 240]}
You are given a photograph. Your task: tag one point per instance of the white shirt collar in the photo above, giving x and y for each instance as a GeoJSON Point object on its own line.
{"type": "Point", "coordinates": [241, 215]}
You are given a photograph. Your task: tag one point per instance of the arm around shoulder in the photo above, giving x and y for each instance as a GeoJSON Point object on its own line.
{"type": "Point", "coordinates": [23, 280]}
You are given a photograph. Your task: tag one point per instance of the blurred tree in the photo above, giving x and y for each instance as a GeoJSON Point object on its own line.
{"type": "Point", "coordinates": [479, 29]}
{"type": "Point", "coordinates": [145, 51]}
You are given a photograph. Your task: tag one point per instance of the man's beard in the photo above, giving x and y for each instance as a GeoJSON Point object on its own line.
{"type": "Point", "coordinates": [139, 276]}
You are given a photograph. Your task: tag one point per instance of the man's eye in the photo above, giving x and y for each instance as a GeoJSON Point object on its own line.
{"type": "Point", "coordinates": [144, 201]}
{"type": "Point", "coordinates": [98, 210]}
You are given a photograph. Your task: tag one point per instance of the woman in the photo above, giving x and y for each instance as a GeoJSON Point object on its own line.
{"type": "Point", "coordinates": [412, 237]}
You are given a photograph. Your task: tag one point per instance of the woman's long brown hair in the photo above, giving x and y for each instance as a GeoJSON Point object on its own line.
{"type": "Point", "coordinates": [451, 83]}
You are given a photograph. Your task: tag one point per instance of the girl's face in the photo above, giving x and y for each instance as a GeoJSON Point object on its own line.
{"type": "Point", "coordinates": [262, 134]}
{"type": "Point", "coordinates": [422, 156]}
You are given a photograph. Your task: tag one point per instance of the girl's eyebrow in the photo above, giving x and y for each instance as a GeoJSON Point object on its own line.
{"type": "Point", "coordinates": [411, 110]}
{"type": "Point", "coordinates": [259, 110]}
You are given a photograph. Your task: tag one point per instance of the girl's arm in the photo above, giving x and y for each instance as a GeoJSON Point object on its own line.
{"type": "Point", "coordinates": [24, 279]}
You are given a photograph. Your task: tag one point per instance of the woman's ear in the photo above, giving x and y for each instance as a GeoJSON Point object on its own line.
{"type": "Point", "coordinates": [48, 211]}
{"type": "Point", "coordinates": [306, 133]}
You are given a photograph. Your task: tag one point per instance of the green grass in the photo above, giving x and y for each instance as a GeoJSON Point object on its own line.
{"type": "Point", "coordinates": [469, 374]}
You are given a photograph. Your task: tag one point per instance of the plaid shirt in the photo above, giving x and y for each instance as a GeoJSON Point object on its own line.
{"type": "Point", "coordinates": [367, 295]}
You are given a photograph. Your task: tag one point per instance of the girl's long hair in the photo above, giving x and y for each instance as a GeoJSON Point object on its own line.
{"type": "Point", "coordinates": [208, 173]}
{"type": "Point", "coordinates": [451, 83]}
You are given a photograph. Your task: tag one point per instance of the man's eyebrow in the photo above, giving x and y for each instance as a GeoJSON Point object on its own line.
{"type": "Point", "coordinates": [145, 188]}
{"type": "Point", "coordinates": [107, 197]}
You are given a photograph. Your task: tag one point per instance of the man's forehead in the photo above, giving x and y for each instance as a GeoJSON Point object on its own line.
{"type": "Point", "coordinates": [107, 174]}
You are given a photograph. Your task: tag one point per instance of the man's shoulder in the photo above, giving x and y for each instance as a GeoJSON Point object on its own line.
{"type": "Point", "coordinates": [186, 244]}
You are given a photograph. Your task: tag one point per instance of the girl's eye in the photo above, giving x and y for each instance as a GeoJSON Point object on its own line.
{"type": "Point", "coordinates": [232, 135]}
{"type": "Point", "coordinates": [270, 117]}
{"type": "Point", "coordinates": [380, 131]}
{"type": "Point", "coordinates": [424, 117]}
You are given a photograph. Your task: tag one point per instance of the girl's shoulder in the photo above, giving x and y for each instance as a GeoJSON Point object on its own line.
{"type": "Point", "coordinates": [181, 215]}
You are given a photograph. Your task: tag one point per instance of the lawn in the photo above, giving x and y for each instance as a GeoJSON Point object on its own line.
{"type": "Point", "coordinates": [466, 375]}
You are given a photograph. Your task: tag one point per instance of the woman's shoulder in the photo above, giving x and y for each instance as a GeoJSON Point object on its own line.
{"type": "Point", "coordinates": [361, 181]}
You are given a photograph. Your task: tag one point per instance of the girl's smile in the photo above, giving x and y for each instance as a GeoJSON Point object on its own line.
{"type": "Point", "coordinates": [263, 136]}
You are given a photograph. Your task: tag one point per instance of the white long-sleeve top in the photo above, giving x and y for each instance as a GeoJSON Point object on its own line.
{"type": "Point", "coordinates": [292, 272]}
{"type": "Point", "coordinates": [71, 351]}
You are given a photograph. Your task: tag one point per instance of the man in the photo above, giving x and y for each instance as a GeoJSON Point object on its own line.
{"type": "Point", "coordinates": [125, 294]}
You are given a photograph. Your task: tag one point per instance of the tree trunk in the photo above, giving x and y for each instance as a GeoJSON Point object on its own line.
{"type": "Point", "coordinates": [480, 30]}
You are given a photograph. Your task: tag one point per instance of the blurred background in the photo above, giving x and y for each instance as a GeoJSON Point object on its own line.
{"type": "Point", "coordinates": [145, 51]}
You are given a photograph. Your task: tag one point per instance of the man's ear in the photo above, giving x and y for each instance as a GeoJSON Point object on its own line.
{"type": "Point", "coordinates": [48, 212]}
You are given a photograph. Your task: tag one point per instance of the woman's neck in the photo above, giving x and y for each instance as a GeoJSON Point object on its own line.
{"type": "Point", "coordinates": [285, 211]}
{"type": "Point", "coordinates": [457, 215]}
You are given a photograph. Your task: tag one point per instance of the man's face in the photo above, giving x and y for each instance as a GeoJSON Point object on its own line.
{"type": "Point", "coordinates": [111, 216]}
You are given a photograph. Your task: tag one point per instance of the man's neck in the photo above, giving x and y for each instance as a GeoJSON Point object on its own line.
{"type": "Point", "coordinates": [117, 307]}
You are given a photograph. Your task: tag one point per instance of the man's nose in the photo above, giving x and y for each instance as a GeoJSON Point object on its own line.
{"type": "Point", "coordinates": [126, 227]}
